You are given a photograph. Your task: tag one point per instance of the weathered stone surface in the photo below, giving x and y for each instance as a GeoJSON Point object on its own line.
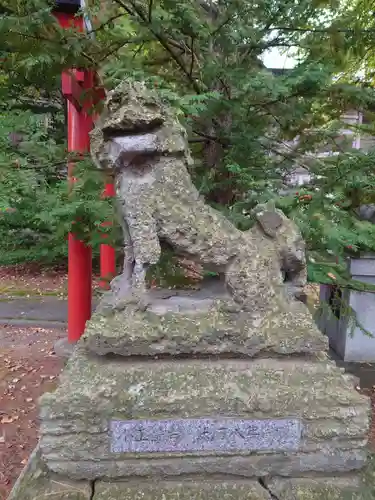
{"type": "Point", "coordinates": [319, 488]}
{"type": "Point", "coordinates": [288, 241]}
{"type": "Point", "coordinates": [190, 490]}
{"type": "Point", "coordinates": [36, 482]}
{"type": "Point", "coordinates": [142, 141]}
{"type": "Point", "coordinates": [270, 222]}
{"type": "Point", "coordinates": [95, 390]}
{"type": "Point", "coordinates": [63, 348]}
{"type": "Point", "coordinates": [230, 466]}
{"type": "Point", "coordinates": [209, 327]}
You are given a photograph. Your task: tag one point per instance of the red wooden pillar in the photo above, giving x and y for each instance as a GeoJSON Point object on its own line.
{"type": "Point", "coordinates": [79, 126]}
{"type": "Point", "coordinates": [80, 122]}
{"type": "Point", "coordinates": [80, 257]}
{"type": "Point", "coordinates": [107, 252]}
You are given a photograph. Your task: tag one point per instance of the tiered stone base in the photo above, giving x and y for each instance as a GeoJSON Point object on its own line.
{"type": "Point", "coordinates": [37, 482]}
{"type": "Point", "coordinates": [78, 463]}
{"type": "Point", "coordinates": [94, 390]}
{"type": "Point", "coordinates": [270, 376]}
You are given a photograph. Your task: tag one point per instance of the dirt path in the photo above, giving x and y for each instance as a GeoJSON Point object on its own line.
{"type": "Point", "coordinates": [28, 368]}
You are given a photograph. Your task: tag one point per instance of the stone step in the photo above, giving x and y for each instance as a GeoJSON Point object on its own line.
{"type": "Point", "coordinates": [324, 488]}
{"type": "Point", "coordinates": [36, 481]}
{"type": "Point", "coordinates": [190, 490]}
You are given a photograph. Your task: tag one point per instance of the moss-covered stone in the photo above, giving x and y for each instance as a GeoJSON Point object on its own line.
{"type": "Point", "coordinates": [36, 482]}
{"type": "Point", "coordinates": [213, 331]}
{"type": "Point", "coordinates": [190, 490]}
{"type": "Point", "coordinates": [141, 140]}
{"type": "Point", "coordinates": [326, 488]}
{"type": "Point", "coordinates": [95, 390]}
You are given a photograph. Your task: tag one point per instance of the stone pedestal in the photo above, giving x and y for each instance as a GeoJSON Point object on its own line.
{"type": "Point", "coordinates": [241, 418]}
{"type": "Point", "coordinates": [246, 415]}
{"type": "Point", "coordinates": [348, 340]}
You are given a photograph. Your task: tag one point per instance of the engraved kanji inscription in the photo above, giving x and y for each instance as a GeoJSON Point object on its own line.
{"type": "Point", "coordinates": [194, 435]}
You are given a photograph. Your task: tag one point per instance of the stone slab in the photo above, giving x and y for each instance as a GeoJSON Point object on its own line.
{"type": "Point", "coordinates": [36, 482]}
{"type": "Point", "coordinates": [320, 488]}
{"type": "Point", "coordinates": [186, 326]}
{"type": "Point", "coordinates": [189, 490]}
{"type": "Point", "coordinates": [191, 435]}
{"type": "Point", "coordinates": [94, 390]}
{"type": "Point", "coordinates": [226, 467]}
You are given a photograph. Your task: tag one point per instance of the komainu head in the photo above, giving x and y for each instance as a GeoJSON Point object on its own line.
{"type": "Point", "coordinates": [135, 124]}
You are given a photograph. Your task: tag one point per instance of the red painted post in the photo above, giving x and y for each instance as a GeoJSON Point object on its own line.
{"type": "Point", "coordinates": [107, 252]}
{"type": "Point", "coordinates": [80, 258]}
{"type": "Point", "coordinates": [79, 126]}
{"type": "Point", "coordinates": [80, 122]}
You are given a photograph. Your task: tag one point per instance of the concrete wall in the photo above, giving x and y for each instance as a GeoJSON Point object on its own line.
{"type": "Point", "coordinates": [346, 337]}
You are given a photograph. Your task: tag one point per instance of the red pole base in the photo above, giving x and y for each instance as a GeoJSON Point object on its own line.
{"type": "Point", "coordinates": [79, 288]}
{"type": "Point", "coordinates": [107, 265]}
{"type": "Point", "coordinates": [107, 253]}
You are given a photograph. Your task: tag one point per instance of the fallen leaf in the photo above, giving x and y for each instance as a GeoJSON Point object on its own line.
{"type": "Point", "coordinates": [8, 420]}
{"type": "Point", "coordinates": [332, 276]}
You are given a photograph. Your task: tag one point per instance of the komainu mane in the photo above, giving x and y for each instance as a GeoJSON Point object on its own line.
{"type": "Point", "coordinates": [141, 140]}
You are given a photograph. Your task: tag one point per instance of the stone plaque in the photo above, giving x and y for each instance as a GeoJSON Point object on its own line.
{"type": "Point", "coordinates": [204, 434]}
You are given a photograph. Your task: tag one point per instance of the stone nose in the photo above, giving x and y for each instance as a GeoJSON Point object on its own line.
{"type": "Point", "coordinates": [124, 150]}
{"type": "Point", "coordinates": [143, 143]}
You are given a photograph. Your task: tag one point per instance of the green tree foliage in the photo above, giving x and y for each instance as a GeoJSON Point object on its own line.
{"type": "Point", "coordinates": [36, 208]}
{"type": "Point", "coordinates": [205, 58]}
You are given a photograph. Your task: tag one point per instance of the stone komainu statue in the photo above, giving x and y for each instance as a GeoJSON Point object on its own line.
{"type": "Point", "coordinates": [226, 396]}
{"type": "Point", "coordinates": [141, 140]}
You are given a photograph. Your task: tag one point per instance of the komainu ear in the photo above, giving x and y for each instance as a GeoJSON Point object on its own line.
{"type": "Point", "coordinates": [269, 218]}
{"type": "Point", "coordinates": [270, 222]}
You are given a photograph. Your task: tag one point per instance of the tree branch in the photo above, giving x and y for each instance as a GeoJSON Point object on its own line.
{"type": "Point", "coordinates": [221, 25]}
{"type": "Point", "coordinates": [137, 50]}
{"type": "Point", "coordinates": [192, 58]}
{"type": "Point", "coordinates": [321, 30]}
{"type": "Point", "coordinates": [198, 141]}
{"type": "Point", "coordinates": [105, 24]}
{"type": "Point", "coordinates": [211, 138]}
{"type": "Point", "coordinates": [161, 39]}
